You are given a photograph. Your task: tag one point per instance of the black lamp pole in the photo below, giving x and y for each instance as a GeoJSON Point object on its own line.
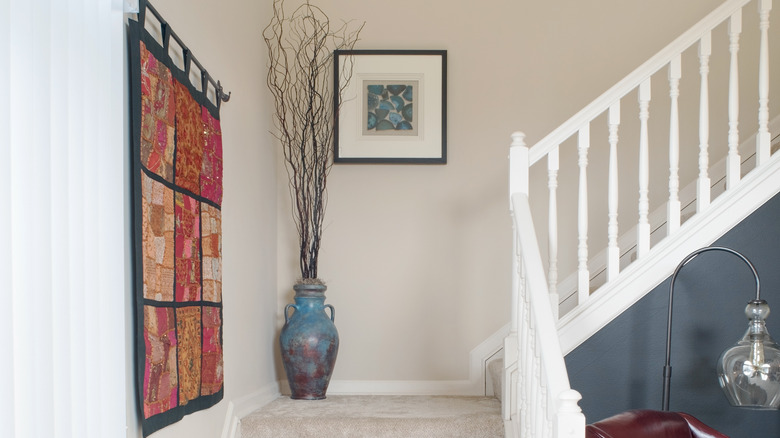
{"type": "Point", "coordinates": [667, 366]}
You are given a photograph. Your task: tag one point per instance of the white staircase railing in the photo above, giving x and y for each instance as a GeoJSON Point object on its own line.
{"type": "Point", "coordinates": [535, 382]}
{"type": "Point", "coordinates": [542, 403]}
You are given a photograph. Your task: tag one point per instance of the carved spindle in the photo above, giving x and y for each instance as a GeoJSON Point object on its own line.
{"type": "Point", "coordinates": [732, 159]}
{"type": "Point", "coordinates": [516, 283]}
{"type": "Point", "coordinates": [524, 381]}
{"type": "Point", "coordinates": [552, 231]}
{"type": "Point", "coordinates": [613, 252]}
{"type": "Point", "coordinates": [537, 398]}
{"type": "Point", "coordinates": [673, 211]}
{"type": "Point", "coordinates": [703, 184]}
{"type": "Point", "coordinates": [529, 373]}
{"type": "Point", "coordinates": [583, 276]}
{"type": "Point", "coordinates": [547, 407]}
{"type": "Point", "coordinates": [540, 396]}
{"type": "Point", "coordinates": [643, 227]}
{"type": "Point", "coordinates": [534, 398]}
{"type": "Point", "coordinates": [762, 139]}
{"type": "Point", "coordinates": [529, 354]}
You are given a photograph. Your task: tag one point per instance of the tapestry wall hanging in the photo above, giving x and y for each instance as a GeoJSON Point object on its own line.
{"type": "Point", "coordinates": [177, 189]}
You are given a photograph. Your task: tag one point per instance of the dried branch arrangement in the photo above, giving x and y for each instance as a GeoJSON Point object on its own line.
{"type": "Point", "coordinates": [300, 77]}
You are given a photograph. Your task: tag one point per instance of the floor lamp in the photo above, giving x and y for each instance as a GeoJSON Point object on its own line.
{"type": "Point", "coordinates": [748, 372]}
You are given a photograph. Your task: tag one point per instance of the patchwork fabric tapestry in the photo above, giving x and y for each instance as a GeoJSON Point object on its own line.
{"type": "Point", "coordinates": [177, 154]}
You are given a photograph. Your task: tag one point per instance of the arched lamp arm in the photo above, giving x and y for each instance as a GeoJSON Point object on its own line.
{"type": "Point", "coordinates": [667, 364]}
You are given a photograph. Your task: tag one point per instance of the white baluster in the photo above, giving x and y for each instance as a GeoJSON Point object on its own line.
{"type": "Point", "coordinates": [552, 231]}
{"type": "Point", "coordinates": [527, 369]}
{"type": "Point", "coordinates": [673, 211]}
{"type": "Point", "coordinates": [532, 383]}
{"type": "Point", "coordinates": [547, 430]}
{"type": "Point", "coordinates": [704, 183]}
{"type": "Point", "coordinates": [643, 227]}
{"type": "Point", "coordinates": [583, 276]}
{"type": "Point", "coordinates": [516, 281]}
{"type": "Point", "coordinates": [513, 343]}
{"type": "Point", "coordinates": [523, 312]}
{"type": "Point", "coordinates": [762, 139]}
{"type": "Point", "coordinates": [521, 382]}
{"type": "Point", "coordinates": [550, 408]}
{"type": "Point", "coordinates": [732, 159]}
{"type": "Point", "coordinates": [534, 400]}
{"type": "Point", "coordinates": [515, 384]}
{"type": "Point", "coordinates": [529, 380]}
{"type": "Point", "coordinates": [613, 252]}
{"type": "Point", "coordinates": [537, 388]}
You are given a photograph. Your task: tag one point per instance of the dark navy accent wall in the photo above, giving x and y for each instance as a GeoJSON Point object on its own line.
{"type": "Point", "coordinates": [620, 368]}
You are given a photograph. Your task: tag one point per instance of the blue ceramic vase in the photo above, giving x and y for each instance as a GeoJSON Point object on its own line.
{"type": "Point", "coordinates": [309, 342]}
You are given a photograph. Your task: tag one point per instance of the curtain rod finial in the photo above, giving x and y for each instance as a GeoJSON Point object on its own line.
{"type": "Point", "coordinates": [221, 94]}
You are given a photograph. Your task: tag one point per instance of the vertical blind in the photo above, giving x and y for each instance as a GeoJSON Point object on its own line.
{"type": "Point", "coordinates": [63, 250]}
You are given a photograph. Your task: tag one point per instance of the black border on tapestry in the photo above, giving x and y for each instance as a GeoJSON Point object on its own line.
{"type": "Point", "coordinates": [161, 52]}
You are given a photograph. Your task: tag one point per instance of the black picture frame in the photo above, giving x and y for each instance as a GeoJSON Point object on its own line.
{"type": "Point", "coordinates": [393, 108]}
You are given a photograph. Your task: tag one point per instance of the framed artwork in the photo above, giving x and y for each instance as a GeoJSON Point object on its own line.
{"type": "Point", "coordinates": [394, 107]}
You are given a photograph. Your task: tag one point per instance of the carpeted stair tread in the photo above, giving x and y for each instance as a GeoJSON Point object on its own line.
{"type": "Point", "coordinates": [380, 416]}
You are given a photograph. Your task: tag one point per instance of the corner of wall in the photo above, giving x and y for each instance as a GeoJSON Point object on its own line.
{"type": "Point", "coordinates": [241, 407]}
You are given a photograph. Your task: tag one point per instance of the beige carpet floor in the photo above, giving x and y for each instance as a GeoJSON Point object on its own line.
{"type": "Point", "coordinates": [377, 416]}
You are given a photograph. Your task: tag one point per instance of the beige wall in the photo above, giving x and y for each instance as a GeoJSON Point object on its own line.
{"type": "Point", "coordinates": [416, 257]}
{"type": "Point", "coordinates": [225, 37]}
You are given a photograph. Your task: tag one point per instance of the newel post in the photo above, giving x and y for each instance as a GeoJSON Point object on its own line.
{"type": "Point", "coordinates": [518, 183]}
{"type": "Point", "coordinates": [570, 421]}
{"type": "Point", "coordinates": [518, 165]}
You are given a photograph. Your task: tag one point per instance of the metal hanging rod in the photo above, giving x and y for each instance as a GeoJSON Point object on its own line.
{"type": "Point", "coordinates": [189, 58]}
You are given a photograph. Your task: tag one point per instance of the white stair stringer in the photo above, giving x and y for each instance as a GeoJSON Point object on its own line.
{"type": "Point", "coordinates": [642, 276]}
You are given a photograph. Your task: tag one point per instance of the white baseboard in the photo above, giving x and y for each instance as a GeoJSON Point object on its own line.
{"type": "Point", "coordinates": [398, 387]}
{"type": "Point", "coordinates": [242, 406]}
{"type": "Point", "coordinates": [475, 385]}
{"type": "Point", "coordinates": [405, 387]}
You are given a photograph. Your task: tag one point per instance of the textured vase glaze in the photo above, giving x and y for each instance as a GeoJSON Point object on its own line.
{"type": "Point", "coordinates": [309, 342]}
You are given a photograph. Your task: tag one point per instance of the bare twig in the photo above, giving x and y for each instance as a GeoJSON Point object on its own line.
{"type": "Point", "coordinates": [300, 77]}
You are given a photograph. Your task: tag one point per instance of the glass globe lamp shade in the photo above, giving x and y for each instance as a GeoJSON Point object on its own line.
{"type": "Point", "coordinates": [749, 372]}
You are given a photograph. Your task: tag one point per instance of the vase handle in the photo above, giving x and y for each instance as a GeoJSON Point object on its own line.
{"type": "Point", "coordinates": [332, 312]}
{"type": "Point", "coordinates": [286, 311]}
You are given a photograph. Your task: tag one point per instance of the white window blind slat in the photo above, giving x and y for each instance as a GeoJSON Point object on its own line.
{"type": "Point", "coordinates": [6, 312]}
{"type": "Point", "coordinates": [63, 246]}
